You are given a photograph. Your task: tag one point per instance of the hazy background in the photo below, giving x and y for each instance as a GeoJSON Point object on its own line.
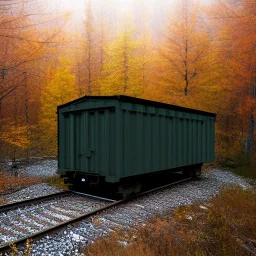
{"type": "Point", "coordinates": [152, 6]}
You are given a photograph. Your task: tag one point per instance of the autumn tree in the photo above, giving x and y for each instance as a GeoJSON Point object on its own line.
{"type": "Point", "coordinates": [233, 24]}
{"type": "Point", "coordinates": [145, 55]}
{"type": "Point", "coordinates": [27, 36]}
{"type": "Point", "coordinates": [59, 90]}
{"type": "Point", "coordinates": [185, 49]}
{"type": "Point", "coordinates": [89, 64]}
{"type": "Point", "coordinates": [121, 71]}
{"type": "Point", "coordinates": [89, 44]}
{"type": "Point", "coordinates": [102, 38]}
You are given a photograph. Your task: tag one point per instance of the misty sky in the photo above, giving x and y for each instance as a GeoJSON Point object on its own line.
{"type": "Point", "coordinates": [78, 6]}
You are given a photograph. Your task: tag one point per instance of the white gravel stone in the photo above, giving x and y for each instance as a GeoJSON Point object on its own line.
{"type": "Point", "coordinates": [33, 191]}
{"type": "Point", "coordinates": [41, 169]}
{"type": "Point", "coordinates": [36, 217]}
{"type": "Point", "coordinates": [203, 207]}
{"type": "Point", "coordinates": [71, 240]}
{"type": "Point", "coordinates": [36, 167]}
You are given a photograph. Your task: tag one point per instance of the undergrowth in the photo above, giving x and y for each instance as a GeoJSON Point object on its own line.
{"type": "Point", "coordinates": [15, 250]}
{"type": "Point", "coordinates": [10, 183]}
{"type": "Point", "coordinates": [225, 225]}
{"type": "Point", "coordinates": [247, 167]}
{"type": "Point", "coordinates": [242, 164]}
{"type": "Point", "coordinates": [2, 201]}
{"type": "Point", "coordinates": [56, 181]}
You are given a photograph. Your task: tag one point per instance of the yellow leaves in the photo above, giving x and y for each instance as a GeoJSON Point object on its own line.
{"type": "Point", "coordinates": [15, 136]}
{"type": "Point", "coordinates": [182, 212]}
{"type": "Point", "coordinates": [67, 16]}
{"type": "Point", "coordinates": [185, 54]}
{"type": "Point", "coordinates": [61, 89]}
{"type": "Point", "coordinates": [123, 71]}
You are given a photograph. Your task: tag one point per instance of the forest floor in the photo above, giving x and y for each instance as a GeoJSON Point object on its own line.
{"type": "Point", "coordinates": [38, 172]}
{"type": "Point", "coordinates": [222, 224]}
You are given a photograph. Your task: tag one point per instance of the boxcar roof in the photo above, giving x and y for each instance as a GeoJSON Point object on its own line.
{"type": "Point", "coordinates": [134, 100]}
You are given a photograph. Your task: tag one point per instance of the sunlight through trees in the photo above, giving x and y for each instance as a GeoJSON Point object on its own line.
{"type": "Point", "coordinates": [185, 53]}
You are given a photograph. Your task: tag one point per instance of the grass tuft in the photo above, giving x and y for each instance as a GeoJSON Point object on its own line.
{"type": "Point", "coordinates": [56, 181]}
{"type": "Point", "coordinates": [27, 251]}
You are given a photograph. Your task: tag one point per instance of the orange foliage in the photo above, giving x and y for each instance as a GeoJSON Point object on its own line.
{"type": "Point", "coordinates": [203, 58]}
{"type": "Point", "coordinates": [11, 182]}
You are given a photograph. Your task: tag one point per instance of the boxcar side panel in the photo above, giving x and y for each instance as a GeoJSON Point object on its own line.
{"type": "Point", "coordinates": [154, 140]}
{"type": "Point", "coordinates": [116, 139]}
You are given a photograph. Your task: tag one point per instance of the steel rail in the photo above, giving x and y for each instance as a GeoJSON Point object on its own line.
{"type": "Point", "coordinates": [14, 205]}
{"type": "Point", "coordinates": [92, 196]}
{"type": "Point", "coordinates": [6, 247]}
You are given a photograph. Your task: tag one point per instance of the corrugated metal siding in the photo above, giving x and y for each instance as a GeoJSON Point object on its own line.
{"type": "Point", "coordinates": [155, 140]}
{"type": "Point", "coordinates": [119, 139]}
{"type": "Point", "coordinates": [87, 141]}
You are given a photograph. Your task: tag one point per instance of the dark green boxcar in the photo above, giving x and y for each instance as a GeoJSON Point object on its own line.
{"type": "Point", "coordinates": [115, 137]}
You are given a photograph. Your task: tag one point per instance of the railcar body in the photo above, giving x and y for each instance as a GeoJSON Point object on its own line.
{"type": "Point", "coordinates": [112, 139]}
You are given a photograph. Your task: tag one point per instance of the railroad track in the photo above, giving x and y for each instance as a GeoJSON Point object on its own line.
{"type": "Point", "coordinates": [60, 217]}
{"type": "Point", "coordinates": [14, 205]}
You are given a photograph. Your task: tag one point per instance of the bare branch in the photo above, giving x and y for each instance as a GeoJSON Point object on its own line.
{"type": "Point", "coordinates": [11, 90]}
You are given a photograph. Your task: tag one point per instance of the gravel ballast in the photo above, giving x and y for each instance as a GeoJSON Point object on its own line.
{"type": "Point", "coordinates": [46, 168]}
{"type": "Point", "coordinates": [23, 175]}
{"type": "Point", "coordinates": [71, 240]}
{"type": "Point", "coordinates": [26, 220]}
{"type": "Point", "coordinates": [35, 168]}
{"type": "Point", "coordinates": [33, 191]}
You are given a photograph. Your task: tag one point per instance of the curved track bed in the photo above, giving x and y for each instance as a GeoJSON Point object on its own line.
{"type": "Point", "coordinates": [30, 218]}
{"type": "Point", "coordinates": [18, 204]}
{"type": "Point", "coordinates": [94, 206]}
